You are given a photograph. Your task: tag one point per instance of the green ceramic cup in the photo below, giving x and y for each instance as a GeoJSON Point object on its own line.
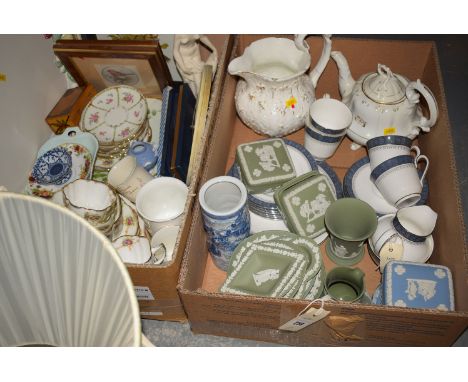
{"type": "Point", "coordinates": [345, 284]}
{"type": "Point", "coordinates": [350, 223]}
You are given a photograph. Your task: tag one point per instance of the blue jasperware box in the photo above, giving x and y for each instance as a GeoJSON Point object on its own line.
{"type": "Point", "coordinates": [415, 285]}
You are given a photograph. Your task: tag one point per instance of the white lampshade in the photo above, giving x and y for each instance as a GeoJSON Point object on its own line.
{"type": "Point", "coordinates": [61, 281]}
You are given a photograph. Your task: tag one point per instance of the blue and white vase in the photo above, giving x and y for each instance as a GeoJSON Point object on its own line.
{"type": "Point", "coordinates": [145, 154]}
{"type": "Point", "coordinates": [226, 217]}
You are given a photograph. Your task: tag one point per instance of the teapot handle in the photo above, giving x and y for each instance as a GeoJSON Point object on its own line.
{"type": "Point", "coordinates": [315, 73]}
{"type": "Point", "coordinates": [424, 123]}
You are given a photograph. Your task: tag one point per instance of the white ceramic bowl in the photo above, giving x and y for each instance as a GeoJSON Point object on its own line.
{"type": "Point", "coordinates": [161, 202]}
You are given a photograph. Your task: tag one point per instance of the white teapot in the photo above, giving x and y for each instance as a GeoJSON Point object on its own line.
{"type": "Point", "coordinates": [384, 103]}
{"type": "Point", "coordinates": [274, 93]}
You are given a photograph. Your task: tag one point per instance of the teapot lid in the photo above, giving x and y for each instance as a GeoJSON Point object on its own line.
{"type": "Point", "coordinates": [383, 86]}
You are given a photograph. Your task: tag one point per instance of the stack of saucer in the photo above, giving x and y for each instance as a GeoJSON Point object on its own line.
{"type": "Point", "coordinates": [116, 116]}
{"type": "Point", "coordinates": [276, 264]}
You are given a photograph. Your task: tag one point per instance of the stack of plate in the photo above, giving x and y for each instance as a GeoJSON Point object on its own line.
{"type": "Point", "coordinates": [116, 116]}
{"type": "Point", "coordinates": [276, 264]}
{"type": "Point", "coordinates": [264, 213]}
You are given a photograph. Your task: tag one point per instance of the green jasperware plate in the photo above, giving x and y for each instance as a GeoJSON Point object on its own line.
{"type": "Point", "coordinates": [264, 165]}
{"type": "Point", "coordinates": [313, 288]}
{"type": "Point", "coordinates": [263, 270]}
{"type": "Point", "coordinates": [303, 203]}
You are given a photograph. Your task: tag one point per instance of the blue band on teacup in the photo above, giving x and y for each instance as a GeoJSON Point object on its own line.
{"type": "Point", "coordinates": [327, 131]}
{"type": "Point", "coordinates": [322, 138]}
{"type": "Point", "coordinates": [391, 163]}
{"type": "Point", "coordinates": [405, 233]}
{"type": "Point", "coordinates": [389, 140]}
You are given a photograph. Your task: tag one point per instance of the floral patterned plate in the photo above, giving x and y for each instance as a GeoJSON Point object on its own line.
{"type": "Point", "coordinates": [114, 115]}
{"type": "Point", "coordinates": [128, 225]}
{"type": "Point", "coordinates": [81, 169]}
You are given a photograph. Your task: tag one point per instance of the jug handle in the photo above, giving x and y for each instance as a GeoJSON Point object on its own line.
{"type": "Point", "coordinates": [424, 123]}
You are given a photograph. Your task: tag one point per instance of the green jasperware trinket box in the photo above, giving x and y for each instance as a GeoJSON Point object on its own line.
{"type": "Point", "coordinates": [303, 202]}
{"type": "Point", "coordinates": [264, 165]}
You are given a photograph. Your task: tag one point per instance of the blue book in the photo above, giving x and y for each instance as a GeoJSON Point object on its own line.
{"type": "Point", "coordinates": [178, 133]}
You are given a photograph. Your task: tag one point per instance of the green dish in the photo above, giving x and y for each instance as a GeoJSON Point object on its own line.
{"type": "Point", "coordinates": [303, 203]}
{"type": "Point", "coordinates": [264, 165]}
{"type": "Point", "coordinates": [264, 271]}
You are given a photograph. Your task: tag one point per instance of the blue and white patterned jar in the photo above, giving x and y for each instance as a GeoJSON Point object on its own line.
{"type": "Point", "coordinates": [226, 217]}
{"type": "Point", "coordinates": [145, 154]}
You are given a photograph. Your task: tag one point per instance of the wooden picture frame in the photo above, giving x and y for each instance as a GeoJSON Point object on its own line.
{"type": "Point", "coordinates": [105, 63]}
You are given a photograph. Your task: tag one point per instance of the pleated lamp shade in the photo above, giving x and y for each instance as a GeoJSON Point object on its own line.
{"type": "Point", "coordinates": [61, 281]}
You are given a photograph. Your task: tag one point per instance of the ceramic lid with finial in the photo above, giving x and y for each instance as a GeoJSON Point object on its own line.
{"type": "Point", "coordinates": [384, 86]}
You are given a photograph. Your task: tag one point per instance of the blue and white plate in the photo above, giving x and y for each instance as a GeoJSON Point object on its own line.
{"type": "Point", "coordinates": [358, 184]}
{"type": "Point", "coordinates": [53, 167]}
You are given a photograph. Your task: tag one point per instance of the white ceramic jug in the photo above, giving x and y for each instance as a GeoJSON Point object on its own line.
{"type": "Point", "coordinates": [274, 93]}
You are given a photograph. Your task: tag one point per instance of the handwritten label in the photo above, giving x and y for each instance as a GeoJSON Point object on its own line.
{"type": "Point", "coordinates": [389, 130]}
{"type": "Point", "coordinates": [311, 316]}
{"type": "Point", "coordinates": [390, 251]}
{"type": "Point", "coordinates": [143, 293]}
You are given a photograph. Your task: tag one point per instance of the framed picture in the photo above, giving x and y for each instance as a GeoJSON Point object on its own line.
{"type": "Point", "coordinates": [105, 63]}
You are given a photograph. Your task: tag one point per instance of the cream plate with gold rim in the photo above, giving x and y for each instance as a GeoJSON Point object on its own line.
{"type": "Point", "coordinates": [115, 115]}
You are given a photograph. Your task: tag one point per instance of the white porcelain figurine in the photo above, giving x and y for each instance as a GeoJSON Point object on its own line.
{"type": "Point", "coordinates": [188, 58]}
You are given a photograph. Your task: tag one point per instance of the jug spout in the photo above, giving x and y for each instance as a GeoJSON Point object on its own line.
{"type": "Point", "coordinates": [346, 82]}
{"type": "Point", "coordinates": [238, 67]}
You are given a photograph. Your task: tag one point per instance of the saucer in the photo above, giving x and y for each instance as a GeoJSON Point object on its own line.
{"type": "Point", "coordinates": [133, 249]}
{"type": "Point", "coordinates": [81, 168]}
{"type": "Point", "coordinates": [53, 167]}
{"type": "Point", "coordinates": [128, 223]}
{"type": "Point", "coordinates": [357, 184]}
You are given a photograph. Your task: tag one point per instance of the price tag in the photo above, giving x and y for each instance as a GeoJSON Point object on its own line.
{"type": "Point", "coordinates": [390, 251]}
{"type": "Point", "coordinates": [389, 130]}
{"type": "Point", "coordinates": [307, 317]}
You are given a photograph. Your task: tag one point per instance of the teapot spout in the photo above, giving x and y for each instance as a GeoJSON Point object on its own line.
{"type": "Point", "coordinates": [346, 82]}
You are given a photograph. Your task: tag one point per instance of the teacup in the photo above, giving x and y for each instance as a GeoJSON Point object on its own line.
{"type": "Point", "coordinates": [145, 154]}
{"type": "Point", "coordinates": [330, 117]}
{"type": "Point", "coordinates": [345, 284]}
{"type": "Point", "coordinates": [329, 120]}
{"type": "Point", "coordinates": [163, 243]}
{"type": "Point", "coordinates": [398, 181]}
{"type": "Point", "coordinates": [386, 147]}
{"type": "Point", "coordinates": [226, 217]}
{"type": "Point", "coordinates": [161, 202]}
{"type": "Point", "coordinates": [350, 222]}
{"type": "Point", "coordinates": [127, 177]}
{"type": "Point", "coordinates": [95, 201]}
{"type": "Point", "coordinates": [133, 249]}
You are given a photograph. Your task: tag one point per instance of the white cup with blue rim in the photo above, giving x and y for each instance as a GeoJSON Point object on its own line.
{"type": "Point", "coordinates": [398, 181]}
{"type": "Point", "coordinates": [386, 147]}
{"type": "Point", "coordinates": [329, 121]}
{"type": "Point", "coordinates": [226, 217]}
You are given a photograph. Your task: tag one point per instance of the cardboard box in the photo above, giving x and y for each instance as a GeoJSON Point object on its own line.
{"type": "Point", "coordinates": [259, 318]}
{"type": "Point", "coordinates": [67, 111]}
{"type": "Point", "coordinates": [155, 285]}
